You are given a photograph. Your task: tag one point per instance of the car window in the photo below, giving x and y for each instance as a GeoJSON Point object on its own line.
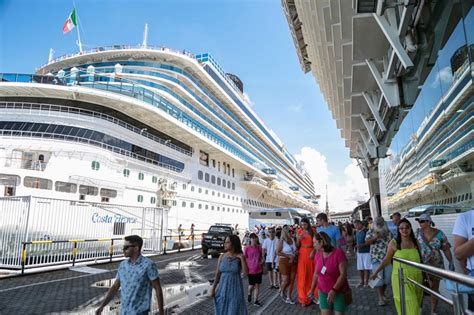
{"type": "Point", "coordinates": [220, 229]}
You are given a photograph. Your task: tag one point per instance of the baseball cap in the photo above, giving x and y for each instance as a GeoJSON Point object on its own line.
{"type": "Point", "coordinates": [424, 217]}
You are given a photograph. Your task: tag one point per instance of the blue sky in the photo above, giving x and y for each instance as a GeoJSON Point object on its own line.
{"type": "Point", "coordinates": [248, 38]}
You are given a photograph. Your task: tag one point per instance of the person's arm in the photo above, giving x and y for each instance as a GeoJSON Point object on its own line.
{"type": "Point", "coordinates": [387, 259]}
{"type": "Point", "coordinates": [463, 248]}
{"type": "Point", "coordinates": [243, 263]}
{"type": "Point", "coordinates": [110, 294]}
{"type": "Point", "coordinates": [339, 282]}
{"type": "Point", "coordinates": [338, 238]}
{"type": "Point", "coordinates": [314, 282]}
{"type": "Point", "coordinates": [217, 276]}
{"type": "Point", "coordinates": [159, 294]}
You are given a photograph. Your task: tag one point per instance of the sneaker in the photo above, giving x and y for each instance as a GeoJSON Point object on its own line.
{"type": "Point", "coordinates": [257, 303]}
{"type": "Point", "coordinates": [382, 303]}
{"type": "Point", "coordinates": [276, 287]}
{"type": "Point", "coordinates": [289, 301]}
{"type": "Point", "coordinates": [360, 285]}
{"type": "Point", "coordinates": [249, 298]}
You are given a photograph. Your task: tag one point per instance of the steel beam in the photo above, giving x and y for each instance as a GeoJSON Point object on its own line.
{"type": "Point", "coordinates": [391, 33]}
{"type": "Point", "coordinates": [370, 99]}
{"type": "Point", "coordinates": [389, 89]}
{"type": "Point", "coordinates": [370, 131]}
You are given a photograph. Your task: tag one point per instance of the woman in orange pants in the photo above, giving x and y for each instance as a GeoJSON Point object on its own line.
{"type": "Point", "coordinates": [305, 269]}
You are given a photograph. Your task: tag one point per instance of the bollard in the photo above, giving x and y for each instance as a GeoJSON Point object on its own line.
{"type": "Point", "coordinates": [164, 247]}
{"type": "Point", "coordinates": [401, 285]}
{"type": "Point", "coordinates": [111, 249]}
{"type": "Point", "coordinates": [179, 243]}
{"type": "Point", "coordinates": [74, 253]}
{"type": "Point", "coordinates": [192, 244]}
{"type": "Point", "coordinates": [23, 258]}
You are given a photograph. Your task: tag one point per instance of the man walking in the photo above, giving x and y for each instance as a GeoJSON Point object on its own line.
{"type": "Point", "coordinates": [136, 276]}
{"type": "Point", "coordinates": [331, 230]}
{"type": "Point", "coordinates": [269, 252]}
{"type": "Point", "coordinates": [393, 225]}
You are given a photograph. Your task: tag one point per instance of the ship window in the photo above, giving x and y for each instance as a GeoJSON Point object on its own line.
{"type": "Point", "coordinates": [224, 183]}
{"type": "Point", "coordinates": [140, 198]}
{"type": "Point", "coordinates": [184, 186]}
{"type": "Point", "coordinates": [95, 165]}
{"type": "Point", "coordinates": [206, 192]}
{"type": "Point", "coordinates": [111, 193]}
{"type": "Point", "coordinates": [104, 199]}
{"type": "Point", "coordinates": [39, 183]}
{"type": "Point", "coordinates": [200, 175]}
{"type": "Point", "coordinates": [218, 181]}
{"type": "Point", "coordinates": [141, 176]}
{"type": "Point", "coordinates": [218, 208]}
{"type": "Point", "coordinates": [65, 187]}
{"type": "Point", "coordinates": [218, 194]}
{"type": "Point", "coordinates": [212, 208]}
{"type": "Point", "coordinates": [175, 202]}
{"type": "Point", "coordinates": [213, 163]}
{"type": "Point", "coordinates": [206, 207]}
{"type": "Point", "coordinates": [228, 184]}
{"type": "Point", "coordinates": [153, 200]}
{"type": "Point", "coordinates": [192, 204]}
{"type": "Point", "coordinates": [126, 172]}
{"type": "Point", "coordinates": [200, 190]}
{"type": "Point", "coordinates": [88, 190]}
{"type": "Point", "coordinates": [192, 188]}
{"type": "Point", "coordinates": [213, 179]}
{"type": "Point", "coordinates": [200, 206]}
{"type": "Point", "coordinates": [154, 179]}
{"type": "Point", "coordinates": [9, 180]}
{"type": "Point", "coordinates": [233, 173]}
{"type": "Point", "coordinates": [206, 177]}
{"type": "Point", "coordinates": [213, 192]}
{"type": "Point", "coordinates": [219, 166]}
{"type": "Point", "coordinates": [233, 186]}
{"type": "Point", "coordinates": [183, 204]}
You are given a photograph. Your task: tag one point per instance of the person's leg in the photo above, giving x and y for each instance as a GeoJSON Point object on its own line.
{"type": "Point", "coordinates": [435, 287]}
{"type": "Point", "coordinates": [250, 291]}
{"type": "Point", "coordinates": [292, 282]}
{"type": "Point", "coordinates": [326, 309]}
{"type": "Point", "coordinates": [285, 282]}
{"type": "Point", "coordinates": [256, 292]}
{"type": "Point", "coordinates": [366, 277]}
{"type": "Point", "coordinates": [270, 274]}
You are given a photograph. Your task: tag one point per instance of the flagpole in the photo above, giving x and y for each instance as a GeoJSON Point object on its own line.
{"type": "Point", "coordinates": [77, 28]}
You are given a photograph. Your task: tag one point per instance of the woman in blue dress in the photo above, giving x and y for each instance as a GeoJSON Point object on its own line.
{"type": "Point", "coordinates": [229, 297]}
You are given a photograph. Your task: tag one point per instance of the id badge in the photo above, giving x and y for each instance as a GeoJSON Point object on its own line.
{"type": "Point", "coordinates": [323, 270]}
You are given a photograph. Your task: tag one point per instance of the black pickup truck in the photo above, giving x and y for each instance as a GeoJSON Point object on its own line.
{"type": "Point", "coordinates": [214, 239]}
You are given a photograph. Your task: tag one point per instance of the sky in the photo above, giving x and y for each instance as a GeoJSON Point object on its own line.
{"type": "Point", "coordinates": [248, 38]}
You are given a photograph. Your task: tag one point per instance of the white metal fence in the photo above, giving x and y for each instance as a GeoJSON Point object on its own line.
{"type": "Point", "coordinates": [59, 231]}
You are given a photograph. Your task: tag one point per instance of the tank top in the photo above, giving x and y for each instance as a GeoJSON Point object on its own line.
{"type": "Point", "coordinates": [288, 249]}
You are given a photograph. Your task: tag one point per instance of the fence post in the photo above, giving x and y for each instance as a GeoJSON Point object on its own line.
{"type": "Point", "coordinates": [111, 249]}
{"type": "Point", "coordinates": [401, 285]}
{"type": "Point", "coordinates": [164, 247]}
{"type": "Point", "coordinates": [23, 257]}
{"type": "Point", "coordinates": [74, 253]}
{"type": "Point", "coordinates": [179, 243]}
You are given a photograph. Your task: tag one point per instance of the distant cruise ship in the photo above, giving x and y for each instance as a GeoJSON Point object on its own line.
{"type": "Point", "coordinates": [144, 128]}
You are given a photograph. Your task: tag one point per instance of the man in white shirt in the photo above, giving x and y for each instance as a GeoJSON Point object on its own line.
{"type": "Point", "coordinates": [463, 233]}
{"type": "Point", "coordinates": [269, 251]}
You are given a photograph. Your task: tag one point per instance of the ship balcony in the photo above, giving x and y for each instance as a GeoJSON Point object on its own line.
{"type": "Point", "coordinates": [25, 164]}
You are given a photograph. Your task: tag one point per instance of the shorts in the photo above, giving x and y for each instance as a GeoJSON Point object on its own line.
{"type": "Point", "coordinates": [285, 267]}
{"type": "Point", "coordinates": [338, 305]}
{"type": "Point", "coordinates": [363, 261]}
{"type": "Point", "coordinates": [268, 265]}
{"type": "Point", "coordinates": [384, 277]}
{"type": "Point", "coordinates": [255, 278]}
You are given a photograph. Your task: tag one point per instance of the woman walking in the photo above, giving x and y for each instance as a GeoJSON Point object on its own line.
{"type": "Point", "coordinates": [432, 241]}
{"type": "Point", "coordinates": [286, 251]}
{"type": "Point", "coordinates": [406, 247]}
{"type": "Point", "coordinates": [378, 238]}
{"type": "Point", "coordinates": [330, 276]}
{"type": "Point", "coordinates": [254, 258]}
{"type": "Point", "coordinates": [305, 269]}
{"type": "Point", "coordinates": [229, 298]}
{"type": "Point", "coordinates": [348, 235]}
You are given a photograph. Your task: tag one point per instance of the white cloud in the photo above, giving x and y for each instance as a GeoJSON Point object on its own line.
{"type": "Point", "coordinates": [296, 108]}
{"type": "Point", "coordinates": [342, 196]}
{"type": "Point", "coordinates": [444, 76]}
{"type": "Point", "coordinates": [247, 98]}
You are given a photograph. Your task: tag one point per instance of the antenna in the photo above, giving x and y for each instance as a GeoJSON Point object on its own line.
{"type": "Point", "coordinates": [327, 203]}
{"type": "Point", "coordinates": [145, 36]}
{"type": "Point", "coordinates": [51, 55]}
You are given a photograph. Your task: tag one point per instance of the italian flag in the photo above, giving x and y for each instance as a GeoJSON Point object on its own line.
{"type": "Point", "coordinates": [70, 23]}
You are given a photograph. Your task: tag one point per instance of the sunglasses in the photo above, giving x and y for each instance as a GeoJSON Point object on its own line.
{"type": "Point", "coordinates": [423, 221]}
{"type": "Point", "coordinates": [125, 247]}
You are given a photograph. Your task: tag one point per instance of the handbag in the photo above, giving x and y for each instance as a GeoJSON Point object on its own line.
{"type": "Point", "coordinates": [455, 287]}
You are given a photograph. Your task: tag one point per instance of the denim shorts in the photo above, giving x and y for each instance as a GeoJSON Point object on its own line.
{"type": "Point", "coordinates": [384, 276]}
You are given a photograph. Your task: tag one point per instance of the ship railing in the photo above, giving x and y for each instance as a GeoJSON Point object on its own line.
{"type": "Point", "coordinates": [25, 164]}
{"type": "Point", "coordinates": [121, 47]}
{"type": "Point", "coordinates": [47, 135]}
{"type": "Point", "coordinates": [52, 108]}
{"type": "Point", "coordinates": [456, 301]}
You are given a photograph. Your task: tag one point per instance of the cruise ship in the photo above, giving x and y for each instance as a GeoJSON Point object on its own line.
{"type": "Point", "coordinates": [121, 139]}
{"type": "Point", "coordinates": [401, 96]}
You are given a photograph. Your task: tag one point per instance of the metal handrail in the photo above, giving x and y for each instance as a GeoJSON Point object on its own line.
{"type": "Point", "coordinates": [455, 303]}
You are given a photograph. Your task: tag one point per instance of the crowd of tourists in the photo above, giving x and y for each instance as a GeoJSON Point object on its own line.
{"type": "Point", "coordinates": [308, 264]}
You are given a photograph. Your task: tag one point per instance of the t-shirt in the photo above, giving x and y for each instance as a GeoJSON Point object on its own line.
{"type": "Point", "coordinates": [332, 231]}
{"type": "Point", "coordinates": [327, 280]}
{"type": "Point", "coordinates": [270, 246]}
{"type": "Point", "coordinates": [464, 227]}
{"type": "Point", "coordinates": [379, 248]}
{"type": "Point", "coordinates": [360, 239]}
{"type": "Point", "coordinates": [393, 228]}
{"type": "Point", "coordinates": [253, 256]}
